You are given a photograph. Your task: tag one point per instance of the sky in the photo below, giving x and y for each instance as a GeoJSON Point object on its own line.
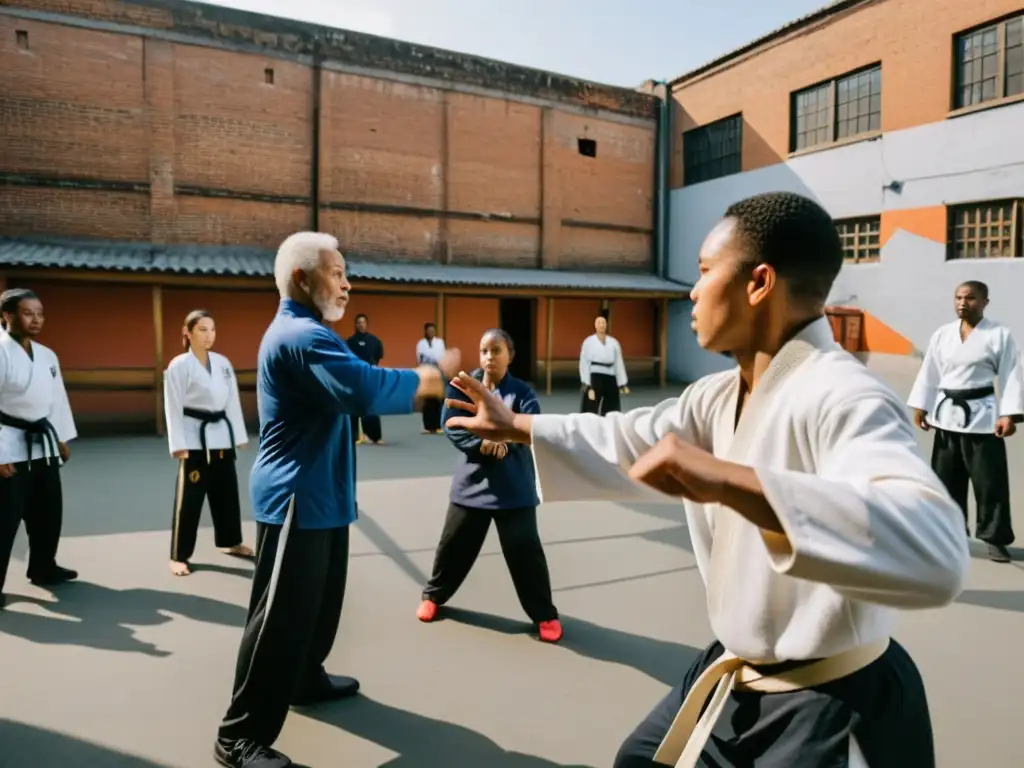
{"type": "Point", "coordinates": [598, 40]}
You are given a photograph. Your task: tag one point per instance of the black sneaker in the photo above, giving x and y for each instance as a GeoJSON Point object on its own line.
{"type": "Point", "coordinates": [246, 753]}
{"type": "Point", "coordinates": [52, 577]}
{"type": "Point", "coordinates": [998, 553]}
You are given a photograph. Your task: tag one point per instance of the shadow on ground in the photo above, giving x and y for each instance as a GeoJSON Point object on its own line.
{"type": "Point", "coordinates": [420, 741]}
{"type": "Point", "coordinates": [27, 745]}
{"type": "Point", "coordinates": [92, 616]}
{"type": "Point", "coordinates": [661, 660]}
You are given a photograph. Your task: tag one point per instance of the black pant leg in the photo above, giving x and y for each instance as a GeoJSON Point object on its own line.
{"type": "Point", "coordinates": [949, 463]}
{"type": "Point", "coordinates": [332, 600]}
{"type": "Point", "coordinates": [13, 497]}
{"type": "Point", "coordinates": [462, 537]}
{"type": "Point", "coordinates": [189, 494]}
{"type": "Point", "coordinates": [639, 748]}
{"type": "Point", "coordinates": [372, 428]}
{"type": "Point", "coordinates": [44, 516]}
{"type": "Point", "coordinates": [524, 555]}
{"type": "Point", "coordinates": [432, 414]}
{"type": "Point", "coordinates": [288, 584]}
{"type": "Point", "coordinates": [610, 399]}
{"type": "Point", "coordinates": [990, 476]}
{"type": "Point", "coordinates": [225, 507]}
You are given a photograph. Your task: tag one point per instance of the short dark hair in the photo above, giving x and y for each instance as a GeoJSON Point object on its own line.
{"type": "Point", "coordinates": [502, 334]}
{"type": "Point", "coordinates": [977, 286]}
{"type": "Point", "coordinates": [11, 299]}
{"type": "Point", "coordinates": [795, 236]}
{"type": "Point", "coordinates": [429, 325]}
{"type": "Point", "coordinates": [363, 316]}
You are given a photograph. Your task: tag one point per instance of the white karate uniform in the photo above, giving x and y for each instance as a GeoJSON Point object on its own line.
{"type": "Point", "coordinates": [32, 388]}
{"type": "Point", "coordinates": [868, 526]}
{"type": "Point", "coordinates": [430, 351]}
{"type": "Point", "coordinates": [606, 358]}
{"type": "Point", "coordinates": [188, 384]}
{"type": "Point", "coordinates": [988, 356]}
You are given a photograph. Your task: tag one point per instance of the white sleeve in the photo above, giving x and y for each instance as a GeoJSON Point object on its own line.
{"type": "Point", "coordinates": [1011, 379]}
{"type": "Point", "coordinates": [584, 364]}
{"type": "Point", "coordinates": [620, 366]}
{"type": "Point", "coordinates": [61, 418]}
{"type": "Point", "coordinates": [174, 406]}
{"type": "Point", "coordinates": [586, 457]}
{"type": "Point", "coordinates": [420, 356]}
{"type": "Point", "coordinates": [234, 409]}
{"type": "Point", "coordinates": [926, 386]}
{"type": "Point", "coordinates": [874, 521]}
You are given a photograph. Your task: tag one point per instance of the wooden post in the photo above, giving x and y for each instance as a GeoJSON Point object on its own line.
{"type": "Point", "coordinates": [439, 319]}
{"type": "Point", "coordinates": [158, 357]}
{"type": "Point", "coordinates": [550, 337]}
{"type": "Point", "coordinates": [663, 343]}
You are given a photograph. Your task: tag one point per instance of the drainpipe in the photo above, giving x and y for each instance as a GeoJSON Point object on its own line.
{"type": "Point", "coordinates": [661, 180]}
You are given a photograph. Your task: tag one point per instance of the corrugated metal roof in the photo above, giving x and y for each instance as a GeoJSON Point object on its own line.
{"type": "Point", "coordinates": [256, 262]}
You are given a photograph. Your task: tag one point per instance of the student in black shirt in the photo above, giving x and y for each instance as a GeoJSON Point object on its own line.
{"type": "Point", "coordinates": [369, 349]}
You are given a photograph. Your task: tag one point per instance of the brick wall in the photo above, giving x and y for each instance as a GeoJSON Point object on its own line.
{"type": "Point", "coordinates": [176, 142]}
{"type": "Point", "coordinates": [912, 38]}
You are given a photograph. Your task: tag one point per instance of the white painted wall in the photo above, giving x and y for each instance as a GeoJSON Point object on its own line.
{"type": "Point", "coordinates": [973, 157]}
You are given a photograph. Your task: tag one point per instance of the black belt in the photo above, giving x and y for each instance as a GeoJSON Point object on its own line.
{"type": "Point", "coordinates": [41, 431]}
{"type": "Point", "coordinates": [961, 398]}
{"type": "Point", "coordinates": [207, 418]}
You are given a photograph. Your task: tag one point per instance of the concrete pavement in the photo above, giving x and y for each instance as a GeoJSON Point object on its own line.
{"type": "Point", "coordinates": [133, 667]}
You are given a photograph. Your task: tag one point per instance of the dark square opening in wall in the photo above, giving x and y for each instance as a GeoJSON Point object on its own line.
{"type": "Point", "coordinates": [268, 76]}
{"type": "Point", "coordinates": [21, 36]}
{"type": "Point", "coordinates": [587, 147]}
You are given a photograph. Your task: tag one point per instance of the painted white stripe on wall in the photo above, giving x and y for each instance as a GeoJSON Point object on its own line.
{"type": "Point", "coordinates": [974, 157]}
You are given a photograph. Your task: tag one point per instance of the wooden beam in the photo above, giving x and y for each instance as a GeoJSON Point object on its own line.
{"type": "Point", "coordinates": [158, 358]}
{"type": "Point", "coordinates": [550, 337]}
{"type": "Point", "coordinates": [663, 343]}
{"type": "Point", "coordinates": [439, 318]}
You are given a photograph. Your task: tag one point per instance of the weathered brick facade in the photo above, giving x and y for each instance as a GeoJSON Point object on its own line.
{"type": "Point", "coordinates": [174, 122]}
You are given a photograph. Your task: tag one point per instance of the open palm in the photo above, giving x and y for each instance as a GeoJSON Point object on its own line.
{"type": "Point", "coordinates": [486, 415]}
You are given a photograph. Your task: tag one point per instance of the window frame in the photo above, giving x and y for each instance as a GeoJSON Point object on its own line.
{"type": "Point", "coordinates": [1016, 221]}
{"type": "Point", "coordinates": [856, 259]}
{"type": "Point", "coordinates": [956, 85]}
{"type": "Point", "coordinates": [738, 117]}
{"type": "Point", "coordinates": [833, 110]}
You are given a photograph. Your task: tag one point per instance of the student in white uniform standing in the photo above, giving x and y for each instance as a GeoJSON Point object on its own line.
{"type": "Point", "coordinates": [204, 419]}
{"type": "Point", "coordinates": [35, 427]}
{"type": "Point", "coordinates": [813, 514]}
{"type": "Point", "coordinates": [602, 371]}
{"type": "Point", "coordinates": [954, 393]}
{"type": "Point", "coordinates": [430, 351]}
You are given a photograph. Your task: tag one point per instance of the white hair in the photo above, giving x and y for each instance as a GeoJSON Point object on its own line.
{"type": "Point", "coordinates": [300, 251]}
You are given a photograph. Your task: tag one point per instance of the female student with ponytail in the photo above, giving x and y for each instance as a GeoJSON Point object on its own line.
{"type": "Point", "coordinates": [496, 482]}
{"type": "Point", "coordinates": [204, 419]}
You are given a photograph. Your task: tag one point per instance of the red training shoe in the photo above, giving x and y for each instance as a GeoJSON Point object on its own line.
{"type": "Point", "coordinates": [427, 611]}
{"type": "Point", "coordinates": [550, 631]}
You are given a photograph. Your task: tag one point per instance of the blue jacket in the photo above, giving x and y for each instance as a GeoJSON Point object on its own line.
{"type": "Point", "coordinates": [308, 385]}
{"type": "Point", "coordinates": [484, 482]}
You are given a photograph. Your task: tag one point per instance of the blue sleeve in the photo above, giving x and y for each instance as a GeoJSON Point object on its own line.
{"type": "Point", "coordinates": [333, 372]}
{"type": "Point", "coordinates": [465, 441]}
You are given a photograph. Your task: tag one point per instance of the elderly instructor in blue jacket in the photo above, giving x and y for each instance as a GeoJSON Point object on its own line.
{"type": "Point", "coordinates": [309, 384]}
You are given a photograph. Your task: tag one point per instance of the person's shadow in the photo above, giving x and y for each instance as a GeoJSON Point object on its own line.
{"type": "Point", "coordinates": [663, 661]}
{"type": "Point", "coordinates": [28, 745]}
{"type": "Point", "coordinates": [104, 618]}
{"type": "Point", "coordinates": [420, 741]}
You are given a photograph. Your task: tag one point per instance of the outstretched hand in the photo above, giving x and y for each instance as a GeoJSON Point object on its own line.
{"type": "Point", "coordinates": [487, 416]}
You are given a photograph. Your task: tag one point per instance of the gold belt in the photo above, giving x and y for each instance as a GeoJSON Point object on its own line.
{"type": "Point", "coordinates": [690, 731]}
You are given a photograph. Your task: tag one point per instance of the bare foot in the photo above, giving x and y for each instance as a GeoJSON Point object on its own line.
{"type": "Point", "coordinates": [239, 550]}
{"type": "Point", "coordinates": [180, 569]}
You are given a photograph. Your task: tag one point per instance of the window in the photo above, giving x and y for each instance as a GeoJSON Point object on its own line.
{"type": "Point", "coordinates": [848, 106]}
{"type": "Point", "coordinates": [987, 230]}
{"type": "Point", "coordinates": [268, 76]}
{"type": "Point", "coordinates": [860, 239]}
{"type": "Point", "coordinates": [989, 63]}
{"type": "Point", "coordinates": [587, 147]}
{"type": "Point", "coordinates": [21, 38]}
{"type": "Point", "coordinates": [713, 150]}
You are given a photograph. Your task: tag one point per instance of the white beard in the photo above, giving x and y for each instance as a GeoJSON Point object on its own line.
{"type": "Point", "coordinates": [330, 311]}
